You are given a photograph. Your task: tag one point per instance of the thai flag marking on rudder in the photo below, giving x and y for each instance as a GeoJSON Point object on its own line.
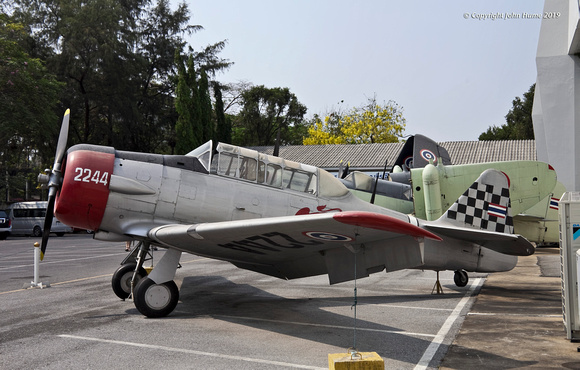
{"type": "Point", "coordinates": [496, 210]}
{"type": "Point", "coordinates": [554, 203]}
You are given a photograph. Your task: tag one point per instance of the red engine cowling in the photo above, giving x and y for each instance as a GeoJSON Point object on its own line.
{"type": "Point", "coordinates": [83, 196]}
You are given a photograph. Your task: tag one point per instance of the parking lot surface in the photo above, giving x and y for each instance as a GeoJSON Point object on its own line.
{"type": "Point", "coordinates": [226, 317]}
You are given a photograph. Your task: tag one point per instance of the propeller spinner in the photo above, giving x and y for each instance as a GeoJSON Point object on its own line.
{"type": "Point", "coordinates": [53, 179]}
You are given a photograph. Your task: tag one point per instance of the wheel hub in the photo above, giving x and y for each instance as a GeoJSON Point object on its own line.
{"type": "Point", "coordinates": [157, 296]}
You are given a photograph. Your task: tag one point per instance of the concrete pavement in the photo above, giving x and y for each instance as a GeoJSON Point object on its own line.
{"type": "Point", "coordinates": [516, 321]}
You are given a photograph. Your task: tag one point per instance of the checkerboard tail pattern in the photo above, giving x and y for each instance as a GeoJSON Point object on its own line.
{"type": "Point", "coordinates": [485, 205]}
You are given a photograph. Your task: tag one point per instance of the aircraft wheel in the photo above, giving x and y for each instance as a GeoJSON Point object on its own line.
{"type": "Point", "coordinates": [460, 278]}
{"type": "Point", "coordinates": [121, 281]}
{"type": "Point", "coordinates": [155, 300]}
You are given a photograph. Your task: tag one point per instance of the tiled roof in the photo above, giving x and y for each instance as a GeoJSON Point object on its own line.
{"type": "Point", "coordinates": [373, 156]}
{"type": "Point", "coordinates": [465, 152]}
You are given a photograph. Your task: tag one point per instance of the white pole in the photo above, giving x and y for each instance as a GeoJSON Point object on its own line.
{"type": "Point", "coordinates": [36, 262]}
{"type": "Point", "coordinates": [36, 283]}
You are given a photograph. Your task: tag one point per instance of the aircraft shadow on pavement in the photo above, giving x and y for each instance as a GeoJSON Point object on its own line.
{"type": "Point", "coordinates": [309, 319]}
{"type": "Point", "coordinates": [469, 358]}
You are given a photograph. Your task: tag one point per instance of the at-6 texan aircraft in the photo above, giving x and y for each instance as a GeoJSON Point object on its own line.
{"type": "Point", "coordinates": [264, 214]}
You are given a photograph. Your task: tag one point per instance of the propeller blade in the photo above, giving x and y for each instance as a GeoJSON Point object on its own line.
{"type": "Point", "coordinates": [55, 180]}
{"type": "Point", "coordinates": [47, 223]}
{"type": "Point", "coordinates": [62, 140]}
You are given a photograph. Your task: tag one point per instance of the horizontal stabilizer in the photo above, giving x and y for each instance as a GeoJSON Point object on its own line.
{"type": "Point", "coordinates": [512, 244]}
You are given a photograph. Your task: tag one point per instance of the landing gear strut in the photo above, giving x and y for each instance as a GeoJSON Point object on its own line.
{"type": "Point", "coordinates": [154, 295]}
{"type": "Point", "coordinates": [131, 271]}
{"type": "Point", "coordinates": [460, 278]}
{"type": "Point", "coordinates": [123, 277]}
{"type": "Point", "coordinates": [157, 294]}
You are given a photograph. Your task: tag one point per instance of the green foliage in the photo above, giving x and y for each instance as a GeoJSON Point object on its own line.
{"type": "Point", "coordinates": [205, 109]}
{"type": "Point", "coordinates": [188, 129]}
{"type": "Point", "coordinates": [267, 113]}
{"type": "Point", "coordinates": [519, 125]}
{"type": "Point", "coordinates": [28, 97]}
{"type": "Point", "coordinates": [223, 123]}
{"type": "Point", "coordinates": [371, 123]}
{"type": "Point", "coordinates": [112, 62]}
{"type": "Point", "coordinates": [116, 59]}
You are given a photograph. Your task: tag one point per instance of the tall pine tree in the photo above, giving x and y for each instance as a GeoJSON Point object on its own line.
{"type": "Point", "coordinates": [205, 109]}
{"type": "Point", "coordinates": [187, 129]}
{"type": "Point", "coordinates": [223, 123]}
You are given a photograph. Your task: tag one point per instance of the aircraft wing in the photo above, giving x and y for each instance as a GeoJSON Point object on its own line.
{"type": "Point", "coordinates": [304, 245]}
{"type": "Point", "coordinates": [512, 244]}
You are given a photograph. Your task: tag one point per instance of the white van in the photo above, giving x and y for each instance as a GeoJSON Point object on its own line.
{"type": "Point", "coordinates": [28, 219]}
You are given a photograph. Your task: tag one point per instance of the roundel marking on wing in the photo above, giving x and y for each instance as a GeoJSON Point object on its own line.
{"type": "Point", "coordinates": [327, 237]}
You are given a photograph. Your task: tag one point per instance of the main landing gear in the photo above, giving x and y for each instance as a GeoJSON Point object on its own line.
{"type": "Point", "coordinates": [154, 295]}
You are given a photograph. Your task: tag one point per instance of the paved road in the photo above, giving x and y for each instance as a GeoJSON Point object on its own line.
{"type": "Point", "coordinates": [226, 317]}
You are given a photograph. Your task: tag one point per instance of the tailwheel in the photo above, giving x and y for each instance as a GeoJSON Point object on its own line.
{"type": "Point", "coordinates": [121, 281]}
{"type": "Point", "coordinates": [155, 300]}
{"type": "Point", "coordinates": [460, 278]}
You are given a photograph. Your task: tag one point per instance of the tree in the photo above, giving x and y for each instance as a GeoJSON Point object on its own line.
{"type": "Point", "coordinates": [197, 123]}
{"type": "Point", "coordinates": [371, 123]}
{"type": "Point", "coordinates": [117, 60]}
{"type": "Point", "coordinates": [267, 114]}
{"type": "Point", "coordinates": [205, 109]}
{"type": "Point", "coordinates": [28, 123]}
{"type": "Point", "coordinates": [223, 122]}
{"type": "Point", "coordinates": [188, 126]}
{"type": "Point", "coordinates": [519, 125]}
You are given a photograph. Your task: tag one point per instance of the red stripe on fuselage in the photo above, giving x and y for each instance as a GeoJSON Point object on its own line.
{"type": "Point", "coordinates": [383, 222]}
{"type": "Point", "coordinates": [83, 197]}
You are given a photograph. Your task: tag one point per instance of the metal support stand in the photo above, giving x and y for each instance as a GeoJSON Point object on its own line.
{"type": "Point", "coordinates": [437, 289]}
{"type": "Point", "coordinates": [35, 283]}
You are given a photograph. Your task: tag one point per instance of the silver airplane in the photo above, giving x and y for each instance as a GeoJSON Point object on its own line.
{"type": "Point", "coordinates": [264, 214]}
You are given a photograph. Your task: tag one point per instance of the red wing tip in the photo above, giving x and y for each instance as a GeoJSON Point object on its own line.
{"type": "Point", "coordinates": [383, 222]}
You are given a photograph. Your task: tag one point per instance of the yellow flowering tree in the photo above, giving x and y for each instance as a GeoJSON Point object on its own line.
{"type": "Point", "coordinates": [373, 123]}
{"type": "Point", "coordinates": [321, 133]}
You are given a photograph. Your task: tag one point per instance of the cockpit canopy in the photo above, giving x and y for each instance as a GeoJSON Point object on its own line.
{"type": "Point", "coordinates": [252, 166]}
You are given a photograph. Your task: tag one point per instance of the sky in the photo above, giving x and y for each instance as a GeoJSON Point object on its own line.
{"type": "Point", "coordinates": [454, 66]}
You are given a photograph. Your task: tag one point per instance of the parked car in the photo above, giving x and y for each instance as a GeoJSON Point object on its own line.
{"type": "Point", "coordinates": [28, 219]}
{"type": "Point", "coordinates": [5, 225]}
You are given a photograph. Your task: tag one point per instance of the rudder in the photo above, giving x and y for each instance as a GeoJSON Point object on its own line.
{"type": "Point", "coordinates": [485, 205]}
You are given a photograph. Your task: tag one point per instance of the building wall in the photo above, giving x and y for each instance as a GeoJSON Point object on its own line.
{"type": "Point", "coordinates": [556, 111]}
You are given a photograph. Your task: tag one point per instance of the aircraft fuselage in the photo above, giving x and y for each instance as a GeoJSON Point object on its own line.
{"type": "Point", "coordinates": [124, 195]}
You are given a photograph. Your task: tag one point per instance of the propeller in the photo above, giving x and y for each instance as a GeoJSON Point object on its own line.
{"type": "Point", "coordinates": [53, 179]}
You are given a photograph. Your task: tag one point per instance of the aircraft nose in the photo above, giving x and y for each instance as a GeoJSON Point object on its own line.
{"type": "Point", "coordinates": [83, 197]}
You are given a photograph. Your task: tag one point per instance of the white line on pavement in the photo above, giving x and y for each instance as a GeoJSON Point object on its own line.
{"type": "Point", "coordinates": [194, 352]}
{"type": "Point", "coordinates": [434, 346]}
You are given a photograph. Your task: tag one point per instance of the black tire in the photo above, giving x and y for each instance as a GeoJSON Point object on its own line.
{"type": "Point", "coordinates": [59, 234]}
{"type": "Point", "coordinates": [37, 231]}
{"type": "Point", "coordinates": [121, 281]}
{"type": "Point", "coordinates": [3, 236]}
{"type": "Point", "coordinates": [155, 300]}
{"type": "Point", "coordinates": [460, 278]}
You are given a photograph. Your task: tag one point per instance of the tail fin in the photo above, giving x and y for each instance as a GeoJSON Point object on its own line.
{"type": "Point", "coordinates": [485, 205]}
{"type": "Point", "coordinates": [482, 215]}
{"type": "Point", "coordinates": [418, 151]}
